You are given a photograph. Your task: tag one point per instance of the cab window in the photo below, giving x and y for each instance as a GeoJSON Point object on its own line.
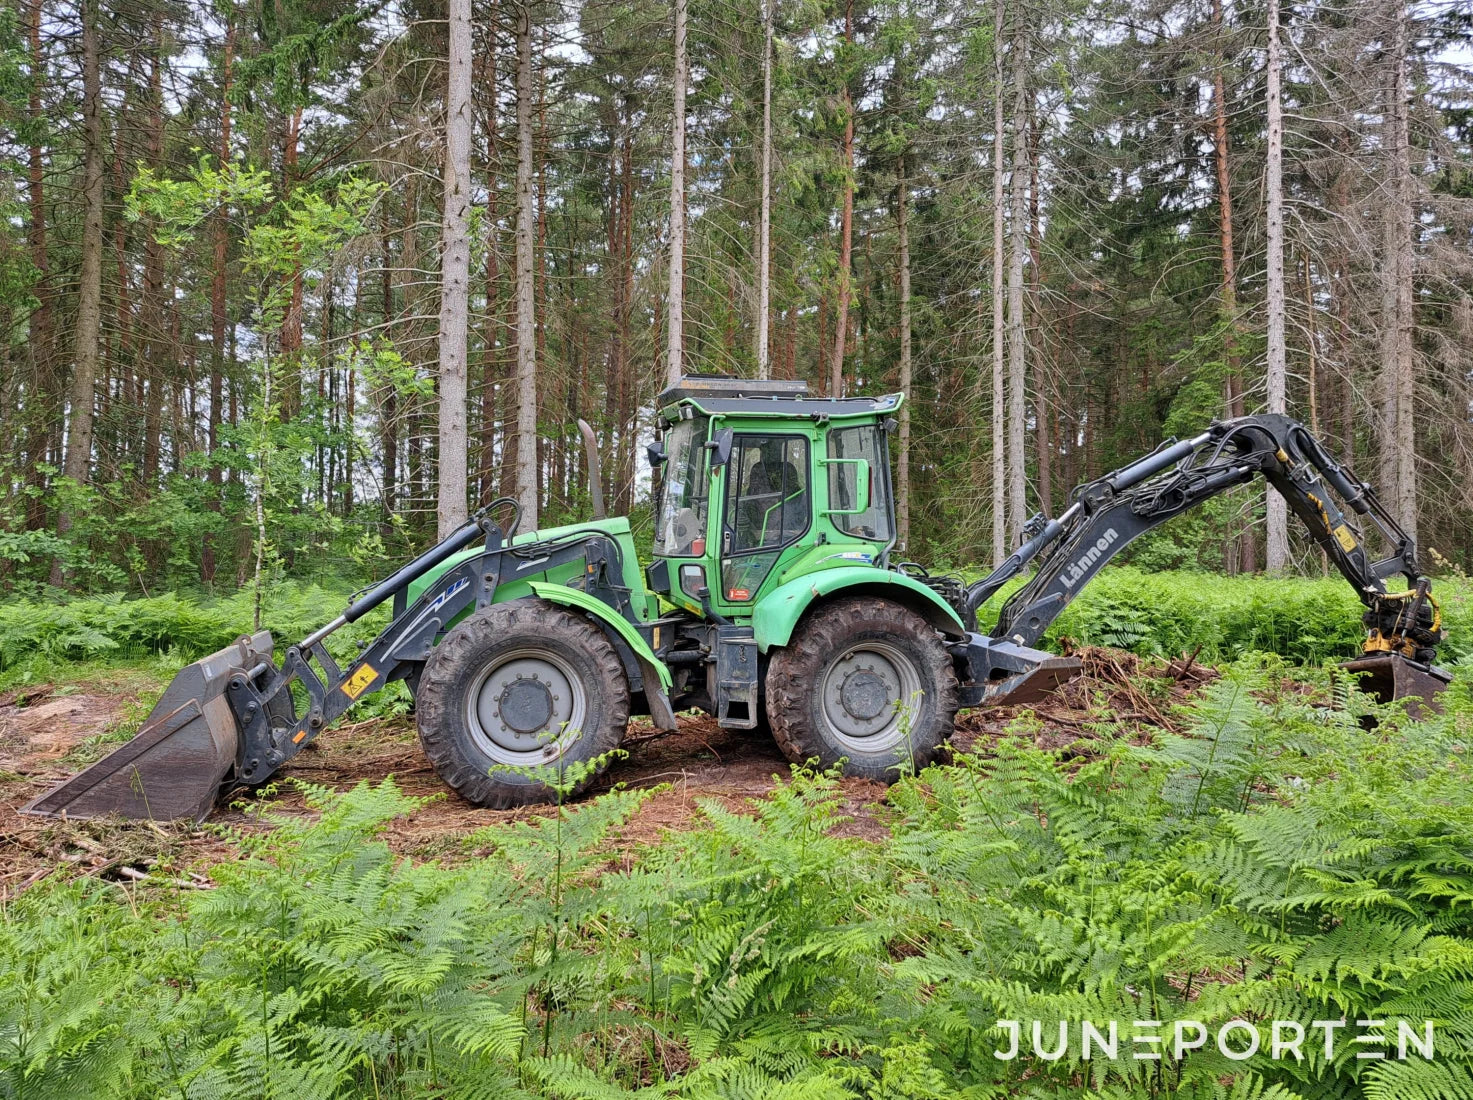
{"type": "Point", "coordinates": [681, 531]}
{"type": "Point", "coordinates": [768, 503]}
{"type": "Point", "coordinates": [873, 521]}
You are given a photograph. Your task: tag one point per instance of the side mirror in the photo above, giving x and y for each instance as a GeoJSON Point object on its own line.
{"type": "Point", "coordinates": [655, 452]}
{"type": "Point", "coordinates": [720, 447]}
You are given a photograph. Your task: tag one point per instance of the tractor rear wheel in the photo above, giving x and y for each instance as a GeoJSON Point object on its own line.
{"type": "Point", "coordinates": [865, 681]}
{"type": "Point", "coordinates": [523, 684]}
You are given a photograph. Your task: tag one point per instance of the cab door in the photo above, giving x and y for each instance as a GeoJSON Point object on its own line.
{"type": "Point", "coordinates": [768, 510]}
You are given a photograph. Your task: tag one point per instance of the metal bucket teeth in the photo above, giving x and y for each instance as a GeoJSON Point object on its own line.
{"type": "Point", "coordinates": [175, 765]}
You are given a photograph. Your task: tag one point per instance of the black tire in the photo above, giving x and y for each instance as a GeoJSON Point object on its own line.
{"type": "Point", "coordinates": [834, 692]}
{"type": "Point", "coordinates": [574, 683]}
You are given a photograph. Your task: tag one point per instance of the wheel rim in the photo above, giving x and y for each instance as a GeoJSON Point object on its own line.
{"type": "Point", "coordinates": [526, 707]}
{"type": "Point", "coordinates": [866, 691]}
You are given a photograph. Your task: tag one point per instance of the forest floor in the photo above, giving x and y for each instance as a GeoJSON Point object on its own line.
{"type": "Point", "coordinates": [48, 732]}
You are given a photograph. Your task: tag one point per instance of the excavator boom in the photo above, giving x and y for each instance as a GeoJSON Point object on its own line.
{"type": "Point", "coordinates": [1340, 512]}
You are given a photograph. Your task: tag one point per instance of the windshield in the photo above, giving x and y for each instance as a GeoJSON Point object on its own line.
{"type": "Point", "coordinates": [682, 528]}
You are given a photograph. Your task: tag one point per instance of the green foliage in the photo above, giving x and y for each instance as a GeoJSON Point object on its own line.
{"type": "Point", "coordinates": [1304, 620]}
{"type": "Point", "coordinates": [1309, 620]}
{"type": "Point", "coordinates": [38, 636]}
{"type": "Point", "coordinates": [1276, 861]}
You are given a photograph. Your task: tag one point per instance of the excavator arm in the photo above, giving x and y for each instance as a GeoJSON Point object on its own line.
{"type": "Point", "coordinates": [1105, 516]}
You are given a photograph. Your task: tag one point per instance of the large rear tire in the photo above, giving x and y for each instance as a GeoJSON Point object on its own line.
{"type": "Point", "coordinates": [865, 681]}
{"type": "Point", "coordinates": [524, 684]}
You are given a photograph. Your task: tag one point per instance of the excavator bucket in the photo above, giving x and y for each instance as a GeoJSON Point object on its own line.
{"type": "Point", "coordinates": [175, 765]}
{"type": "Point", "coordinates": [1389, 676]}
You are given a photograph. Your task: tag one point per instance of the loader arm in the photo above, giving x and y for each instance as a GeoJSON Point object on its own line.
{"type": "Point", "coordinates": [231, 718]}
{"type": "Point", "coordinates": [1110, 513]}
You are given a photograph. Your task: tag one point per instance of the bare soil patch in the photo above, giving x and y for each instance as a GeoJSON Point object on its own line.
{"type": "Point", "coordinates": [698, 762]}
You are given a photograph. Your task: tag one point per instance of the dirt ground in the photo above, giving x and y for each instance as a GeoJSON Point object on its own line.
{"type": "Point", "coordinates": [44, 733]}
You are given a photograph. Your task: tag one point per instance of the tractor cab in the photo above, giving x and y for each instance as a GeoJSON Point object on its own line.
{"type": "Point", "coordinates": [760, 484]}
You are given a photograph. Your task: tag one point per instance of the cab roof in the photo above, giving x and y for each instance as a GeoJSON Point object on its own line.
{"type": "Point", "coordinates": [724, 396]}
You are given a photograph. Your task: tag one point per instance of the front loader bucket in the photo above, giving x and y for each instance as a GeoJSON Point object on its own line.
{"type": "Point", "coordinates": [1389, 676]}
{"type": "Point", "coordinates": [174, 766]}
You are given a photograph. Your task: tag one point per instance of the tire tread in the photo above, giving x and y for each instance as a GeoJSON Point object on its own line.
{"type": "Point", "coordinates": [436, 701]}
{"type": "Point", "coordinates": [794, 672]}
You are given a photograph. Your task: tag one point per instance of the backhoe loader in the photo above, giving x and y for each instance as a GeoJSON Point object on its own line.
{"type": "Point", "coordinates": [774, 599]}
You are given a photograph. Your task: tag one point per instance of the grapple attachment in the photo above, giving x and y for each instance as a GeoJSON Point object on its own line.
{"type": "Point", "coordinates": [175, 765]}
{"type": "Point", "coordinates": [1390, 676]}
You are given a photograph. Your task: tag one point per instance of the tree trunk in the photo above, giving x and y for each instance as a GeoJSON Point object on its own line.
{"type": "Point", "coordinates": [1017, 327]}
{"type": "Point", "coordinates": [350, 398]}
{"type": "Point", "coordinates": [846, 222]}
{"type": "Point", "coordinates": [764, 224]}
{"type": "Point", "coordinates": [43, 418]}
{"type": "Point", "coordinates": [78, 463]}
{"type": "Point", "coordinates": [389, 406]}
{"type": "Point", "coordinates": [491, 353]}
{"type": "Point", "coordinates": [1042, 399]}
{"type": "Point", "coordinates": [1241, 551]}
{"type": "Point", "coordinates": [623, 462]}
{"type": "Point", "coordinates": [614, 250]}
{"type": "Point", "coordinates": [999, 442]}
{"type": "Point", "coordinates": [291, 324]}
{"type": "Point", "coordinates": [548, 395]}
{"type": "Point", "coordinates": [1399, 380]}
{"type": "Point", "coordinates": [902, 474]}
{"type": "Point", "coordinates": [1233, 386]}
{"type": "Point", "coordinates": [1277, 556]}
{"type": "Point", "coordinates": [129, 443]}
{"type": "Point", "coordinates": [155, 353]}
{"type": "Point", "coordinates": [675, 297]}
{"type": "Point", "coordinates": [1312, 342]}
{"type": "Point", "coordinates": [410, 344]}
{"type": "Point", "coordinates": [455, 264]}
{"type": "Point", "coordinates": [218, 319]}
{"type": "Point", "coordinates": [526, 285]}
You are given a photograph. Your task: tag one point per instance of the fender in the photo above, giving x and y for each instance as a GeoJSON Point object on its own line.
{"type": "Point", "coordinates": [777, 614]}
{"type": "Point", "coordinates": [657, 681]}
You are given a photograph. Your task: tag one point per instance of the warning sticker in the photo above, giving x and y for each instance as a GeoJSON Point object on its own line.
{"type": "Point", "coordinates": [1347, 540]}
{"type": "Point", "coordinates": [356, 684]}
{"type": "Point", "coordinates": [738, 594]}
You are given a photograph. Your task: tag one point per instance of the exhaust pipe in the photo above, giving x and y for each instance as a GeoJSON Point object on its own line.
{"type": "Point", "coordinates": [595, 469]}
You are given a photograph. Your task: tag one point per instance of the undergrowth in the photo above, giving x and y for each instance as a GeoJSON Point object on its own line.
{"type": "Point", "coordinates": [1275, 862]}
{"type": "Point", "coordinates": [1308, 620]}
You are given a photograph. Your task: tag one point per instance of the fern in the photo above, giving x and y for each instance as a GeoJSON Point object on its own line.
{"type": "Point", "coordinates": [1273, 862]}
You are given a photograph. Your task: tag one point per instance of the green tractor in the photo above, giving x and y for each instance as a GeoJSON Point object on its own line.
{"type": "Point", "coordinates": [774, 601]}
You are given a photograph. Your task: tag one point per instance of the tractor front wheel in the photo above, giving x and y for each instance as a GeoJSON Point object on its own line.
{"type": "Point", "coordinates": [865, 681]}
{"type": "Point", "coordinates": [517, 686]}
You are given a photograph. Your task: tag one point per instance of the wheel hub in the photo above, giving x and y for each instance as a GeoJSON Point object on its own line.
{"type": "Point", "coordinates": [865, 692]}
{"type": "Point", "coordinates": [526, 706]}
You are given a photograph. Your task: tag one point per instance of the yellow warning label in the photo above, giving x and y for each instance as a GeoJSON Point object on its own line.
{"type": "Point", "coordinates": [1347, 540]}
{"type": "Point", "coordinates": [359, 682]}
